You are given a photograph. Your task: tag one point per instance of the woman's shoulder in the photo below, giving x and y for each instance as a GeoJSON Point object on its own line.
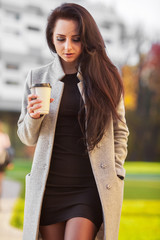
{"type": "Point", "coordinates": [43, 68]}
{"type": "Point", "coordinates": [42, 71]}
{"type": "Point", "coordinates": [47, 72]}
{"type": "Point", "coordinates": [51, 67]}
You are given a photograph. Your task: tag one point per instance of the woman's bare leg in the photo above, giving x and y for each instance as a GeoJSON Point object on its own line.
{"type": "Point", "coordinates": [53, 231]}
{"type": "Point", "coordinates": [80, 228]}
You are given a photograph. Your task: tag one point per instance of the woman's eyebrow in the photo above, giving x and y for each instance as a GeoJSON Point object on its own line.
{"type": "Point", "coordinates": [62, 35]}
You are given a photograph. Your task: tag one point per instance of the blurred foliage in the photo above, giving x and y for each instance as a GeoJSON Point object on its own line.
{"type": "Point", "coordinates": [142, 100]}
{"type": "Point", "coordinates": [18, 214]}
{"type": "Point", "coordinates": [130, 79]}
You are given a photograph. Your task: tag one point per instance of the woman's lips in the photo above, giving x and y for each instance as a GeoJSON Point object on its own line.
{"type": "Point", "coordinates": [68, 54]}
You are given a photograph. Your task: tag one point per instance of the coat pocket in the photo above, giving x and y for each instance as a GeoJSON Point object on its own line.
{"type": "Point", "coordinates": [120, 177]}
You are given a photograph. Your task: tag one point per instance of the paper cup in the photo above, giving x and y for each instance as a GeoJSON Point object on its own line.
{"type": "Point", "coordinates": [43, 90]}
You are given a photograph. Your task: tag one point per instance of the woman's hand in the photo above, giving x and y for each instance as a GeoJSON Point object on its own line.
{"type": "Point", "coordinates": [34, 103]}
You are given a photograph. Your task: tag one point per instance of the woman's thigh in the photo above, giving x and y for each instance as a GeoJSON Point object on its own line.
{"type": "Point", "coordinates": [80, 228]}
{"type": "Point", "coordinates": [53, 231]}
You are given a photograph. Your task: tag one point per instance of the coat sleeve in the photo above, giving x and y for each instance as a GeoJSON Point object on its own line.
{"type": "Point", "coordinates": [28, 128]}
{"type": "Point", "coordinates": [121, 133]}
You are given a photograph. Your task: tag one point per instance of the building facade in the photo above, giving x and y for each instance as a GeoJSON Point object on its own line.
{"type": "Point", "coordinates": [23, 45]}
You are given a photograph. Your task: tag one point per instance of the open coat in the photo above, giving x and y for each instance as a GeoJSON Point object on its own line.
{"type": "Point", "coordinates": [106, 160]}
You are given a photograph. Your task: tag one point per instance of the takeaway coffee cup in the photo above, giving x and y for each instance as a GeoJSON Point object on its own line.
{"type": "Point", "coordinates": [43, 90]}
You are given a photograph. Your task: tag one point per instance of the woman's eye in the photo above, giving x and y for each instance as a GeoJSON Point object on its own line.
{"type": "Point", "coordinates": [63, 39]}
{"type": "Point", "coordinates": [76, 39]}
{"type": "Point", "coordinates": [60, 39]}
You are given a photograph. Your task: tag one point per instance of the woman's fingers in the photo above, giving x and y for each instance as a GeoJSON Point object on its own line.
{"type": "Point", "coordinates": [35, 115]}
{"type": "Point", "coordinates": [34, 103]}
{"type": "Point", "coordinates": [32, 108]}
{"type": "Point", "coordinates": [32, 97]}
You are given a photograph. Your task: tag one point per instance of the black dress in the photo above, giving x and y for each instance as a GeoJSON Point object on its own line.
{"type": "Point", "coordinates": [71, 190]}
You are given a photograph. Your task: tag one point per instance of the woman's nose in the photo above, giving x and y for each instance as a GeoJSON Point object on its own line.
{"type": "Point", "coordinates": [68, 44]}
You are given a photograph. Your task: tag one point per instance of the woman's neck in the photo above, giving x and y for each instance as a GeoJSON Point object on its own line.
{"type": "Point", "coordinates": [68, 68]}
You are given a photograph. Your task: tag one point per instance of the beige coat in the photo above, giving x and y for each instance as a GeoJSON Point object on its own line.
{"type": "Point", "coordinates": [107, 160]}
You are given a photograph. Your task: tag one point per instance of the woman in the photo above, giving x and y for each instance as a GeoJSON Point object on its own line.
{"type": "Point", "coordinates": [76, 182]}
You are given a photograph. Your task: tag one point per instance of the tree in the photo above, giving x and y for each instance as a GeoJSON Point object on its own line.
{"type": "Point", "coordinates": [148, 105]}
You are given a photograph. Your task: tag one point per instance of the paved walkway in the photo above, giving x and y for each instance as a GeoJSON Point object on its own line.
{"type": "Point", "coordinates": [9, 195]}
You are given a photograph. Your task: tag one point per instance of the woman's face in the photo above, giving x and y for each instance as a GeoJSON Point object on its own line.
{"type": "Point", "coordinates": [66, 40]}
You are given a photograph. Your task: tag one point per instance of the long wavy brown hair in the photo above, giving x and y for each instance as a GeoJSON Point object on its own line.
{"type": "Point", "coordinates": [102, 83]}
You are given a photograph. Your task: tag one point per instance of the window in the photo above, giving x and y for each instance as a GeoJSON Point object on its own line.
{"type": "Point", "coordinates": [108, 41]}
{"type": "Point", "coordinates": [11, 82]}
{"type": "Point", "coordinates": [35, 10]}
{"type": "Point", "coordinates": [13, 14]}
{"type": "Point", "coordinates": [32, 28]}
{"type": "Point", "coordinates": [107, 25]}
{"type": "Point", "coordinates": [12, 66]}
{"type": "Point", "coordinates": [10, 30]}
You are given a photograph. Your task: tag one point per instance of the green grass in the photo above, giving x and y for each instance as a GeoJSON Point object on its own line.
{"type": "Point", "coordinates": [140, 220]}
{"type": "Point", "coordinates": [18, 173]}
{"type": "Point", "coordinates": [141, 206]}
{"type": "Point", "coordinates": [21, 168]}
{"type": "Point", "coordinates": [142, 167]}
{"type": "Point", "coordinates": [142, 189]}
{"type": "Point", "coordinates": [142, 180]}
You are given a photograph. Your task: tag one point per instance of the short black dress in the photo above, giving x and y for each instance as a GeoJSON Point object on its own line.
{"type": "Point", "coordinates": [71, 190]}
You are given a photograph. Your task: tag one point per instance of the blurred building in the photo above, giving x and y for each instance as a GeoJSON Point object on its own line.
{"type": "Point", "coordinates": [23, 45]}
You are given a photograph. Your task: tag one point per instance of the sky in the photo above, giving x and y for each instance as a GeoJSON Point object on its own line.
{"type": "Point", "coordinates": [145, 13]}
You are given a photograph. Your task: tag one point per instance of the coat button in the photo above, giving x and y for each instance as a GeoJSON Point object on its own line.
{"type": "Point", "coordinates": [108, 186]}
{"type": "Point", "coordinates": [103, 165]}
